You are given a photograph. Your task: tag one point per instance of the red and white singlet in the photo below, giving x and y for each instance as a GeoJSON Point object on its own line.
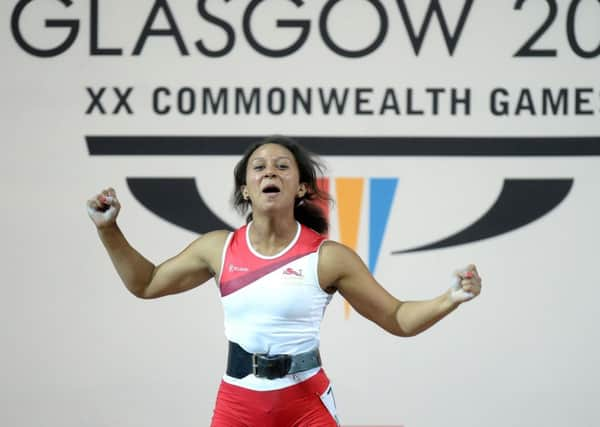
{"type": "Point", "coordinates": [272, 304]}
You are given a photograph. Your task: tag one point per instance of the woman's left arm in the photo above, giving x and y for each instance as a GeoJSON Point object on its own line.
{"type": "Point", "coordinates": [341, 268]}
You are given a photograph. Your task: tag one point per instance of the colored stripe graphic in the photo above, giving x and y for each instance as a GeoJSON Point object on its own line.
{"type": "Point", "coordinates": [349, 200]}
{"type": "Point", "coordinates": [382, 191]}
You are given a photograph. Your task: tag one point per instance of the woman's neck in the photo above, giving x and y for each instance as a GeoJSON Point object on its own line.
{"type": "Point", "coordinates": [270, 236]}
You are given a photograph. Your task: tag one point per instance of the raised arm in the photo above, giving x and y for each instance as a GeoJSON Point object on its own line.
{"type": "Point", "coordinates": [341, 268]}
{"type": "Point", "coordinates": [190, 268]}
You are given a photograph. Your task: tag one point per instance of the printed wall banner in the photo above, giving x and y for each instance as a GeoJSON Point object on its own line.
{"type": "Point", "coordinates": [452, 132]}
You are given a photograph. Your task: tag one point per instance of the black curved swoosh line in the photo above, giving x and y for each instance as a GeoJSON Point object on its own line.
{"type": "Point", "coordinates": [521, 201]}
{"type": "Point", "coordinates": [176, 200]}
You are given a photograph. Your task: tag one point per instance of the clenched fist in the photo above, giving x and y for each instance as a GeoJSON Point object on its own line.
{"type": "Point", "coordinates": [104, 208]}
{"type": "Point", "coordinates": [467, 286]}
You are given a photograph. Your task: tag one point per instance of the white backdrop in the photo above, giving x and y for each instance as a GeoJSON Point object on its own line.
{"type": "Point", "coordinates": [78, 350]}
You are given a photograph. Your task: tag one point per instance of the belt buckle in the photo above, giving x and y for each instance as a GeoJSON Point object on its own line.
{"type": "Point", "coordinates": [273, 366]}
{"type": "Point", "coordinates": [255, 363]}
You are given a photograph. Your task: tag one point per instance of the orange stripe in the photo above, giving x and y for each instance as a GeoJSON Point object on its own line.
{"type": "Point", "coordinates": [349, 193]}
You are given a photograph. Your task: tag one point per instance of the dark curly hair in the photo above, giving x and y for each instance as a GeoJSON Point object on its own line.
{"type": "Point", "coordinates": [306, 211]}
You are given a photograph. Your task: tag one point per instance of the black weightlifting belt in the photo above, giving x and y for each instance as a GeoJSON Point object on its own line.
{"type": "Point", "coordinates": [241, 363]}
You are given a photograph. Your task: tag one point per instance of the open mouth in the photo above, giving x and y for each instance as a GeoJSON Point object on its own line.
{"type": "Point", "coordinates": [271, 189]}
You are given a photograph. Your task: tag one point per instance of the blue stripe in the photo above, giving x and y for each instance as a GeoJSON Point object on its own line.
{"type": "Point", "coordinates": [382, 195]}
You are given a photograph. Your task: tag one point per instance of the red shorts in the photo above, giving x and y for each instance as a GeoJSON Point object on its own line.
{"type": "Point", "coordinates": [309, 403]}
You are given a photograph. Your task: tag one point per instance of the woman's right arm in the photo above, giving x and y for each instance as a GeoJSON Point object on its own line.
{"type": "Point", "coordinates": [193, 266]}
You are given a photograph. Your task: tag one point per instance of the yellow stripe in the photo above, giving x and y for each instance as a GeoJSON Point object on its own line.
{"type": "Point", "coordinates": [349, 193]}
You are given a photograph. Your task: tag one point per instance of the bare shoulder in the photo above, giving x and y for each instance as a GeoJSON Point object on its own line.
{"type": "Point", "coordinates": [335, 252]}
{"type": "Point", "coordinates": [212, 241]}
{"type": "Point", "coordinates": [217, 237]}
{"type": "Point", "coordinates": [335, 261]}
{"type": "Point", "coordinates": [330, 249]}
{"type": "Point", "coordinates": [209, 247]}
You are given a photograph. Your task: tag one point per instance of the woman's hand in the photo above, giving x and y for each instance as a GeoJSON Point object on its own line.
{"type": "Point", "coordinates": [467, 286]}
{"type": "Point", "coordinates": [104, 208]}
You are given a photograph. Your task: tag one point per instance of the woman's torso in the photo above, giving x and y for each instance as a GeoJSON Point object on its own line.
{"type": "Point", "coordinates": [272, 304]}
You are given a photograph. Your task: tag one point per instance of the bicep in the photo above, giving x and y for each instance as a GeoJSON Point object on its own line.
{"type": "Point", "coordinates": [357, 285]}
{"type": "Point", "coordinates": [190, 268]}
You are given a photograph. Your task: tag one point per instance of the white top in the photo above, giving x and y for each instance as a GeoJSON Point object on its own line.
{"type": "Point", "coordinates": [273, 304]}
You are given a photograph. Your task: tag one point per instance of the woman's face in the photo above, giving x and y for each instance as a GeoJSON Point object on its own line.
{"type": "Point", "coordinates": [272, 179]}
